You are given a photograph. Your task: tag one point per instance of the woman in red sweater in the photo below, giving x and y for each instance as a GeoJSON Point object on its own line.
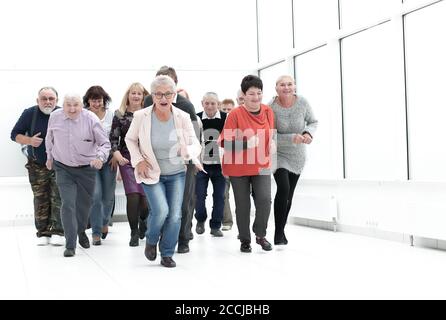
{"type": "Point", "coordinates": [247, 140]}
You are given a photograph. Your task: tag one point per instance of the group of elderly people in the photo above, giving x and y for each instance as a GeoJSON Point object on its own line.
{"type": "Point", "coordinates": [160, 149]}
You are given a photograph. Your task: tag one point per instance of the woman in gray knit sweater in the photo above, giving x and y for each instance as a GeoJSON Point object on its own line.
{"type": "Point", "coordinates": [296, 124]}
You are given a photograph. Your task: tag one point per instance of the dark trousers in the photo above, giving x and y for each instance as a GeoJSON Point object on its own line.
{"type": "Point", "coordinates": [227, 213]}
{"type": "Point", "coordinates": [76, 187]}
{"type": "Point", "coordinates": [286, 183]}
{"type": "Point", "coordinates": [46, 199]}
{"type": "Point", "coordinates": [218, 184]}
{"type": "Point", "coordinates": [188, 205]}
{"type": "Point", "coordinates": [261, 185]}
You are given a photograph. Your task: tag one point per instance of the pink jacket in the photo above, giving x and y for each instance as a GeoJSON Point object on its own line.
{"type": "Point", "coordinates": [138, 141]}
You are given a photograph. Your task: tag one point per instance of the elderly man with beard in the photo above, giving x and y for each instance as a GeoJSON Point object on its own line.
{"type": "Point", "coordinates": [30, 130]}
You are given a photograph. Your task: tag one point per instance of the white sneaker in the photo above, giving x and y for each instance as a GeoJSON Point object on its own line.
{"type": "Point", "coordinates": [226, 228]}
{"type": "Point", "coordinates": [57, 240]}
{"type": "Point", "coordinates": [43, 241]}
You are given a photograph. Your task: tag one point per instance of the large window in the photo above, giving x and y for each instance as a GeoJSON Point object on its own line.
{"type": "Point", "coordinates": [374, 110]}
{"type": "Point", "coordinates": [274, 29]}
{"type": "Point", "coordinates": [318, 80]}
{"type": "Point", "coordinates": [426, 85]}
{"type": "Point", "coordinates": [269, 77]}
{"type": "Point", "coordinates": [360, 13]}
{"type": "Point", "coordinates": [320, 17]}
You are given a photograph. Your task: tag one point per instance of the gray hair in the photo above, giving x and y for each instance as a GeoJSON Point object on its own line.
{"type": "Point", "coordinates": [281, 78]}
{"type": "Point", "coordinates": [211, 95]}
{"type": "Point", "coordinates": [72, 97]}
{"type": "Point", "coordinates": [48, 88]}
{"type": "Point", "coordinates": [162, 81]}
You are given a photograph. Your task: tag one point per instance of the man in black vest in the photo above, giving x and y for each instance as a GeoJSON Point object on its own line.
{"type": "Point", "coordinates": [30, 130]}
{"type": "Point", "coordinates": [188, 205]}
{"type": "Point", "coordinates": [213, 122]}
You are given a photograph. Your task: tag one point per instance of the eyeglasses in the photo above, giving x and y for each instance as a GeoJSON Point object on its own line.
{"type": "Point", "coordinates": [47, 98]}
{"type": "Point", "coordinates": [159, 95]}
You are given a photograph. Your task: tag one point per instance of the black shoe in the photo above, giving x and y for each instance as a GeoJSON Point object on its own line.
{"type": "Point", "coordinates": [142, 226]}
{"type": "Point", "coordinates": [191, 236]}
{"type": "Point", "coordinates": [69, 252]}
{"type": "Point", "coordinates": [280, 240]}
{"type": "Point", "coordinates": [216, 233]}
{"type": "Point", "coordinates": [134, 238]}
{"type": "Point", "coordinates": [168, 262]}
{"type": "Point", "coordinates": [245, 247]}
{"type": "Point", "coordinates": [104, 232]}
{"type": "Point", "coordinates": [183, 248]}
{"type": "Point", "coordinates": [264, 243]}
{"type": "Point", "coordinates": [150, 252]}
{"type": "Point", "coordinates": [199, 229]}
{"type": "Point", "coordinates": [83, 240]}
{"type": "Point", "coordinates": [96, 241]}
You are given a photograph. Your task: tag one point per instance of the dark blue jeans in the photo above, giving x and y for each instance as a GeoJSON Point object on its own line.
{"type": "Point", "coordinates": [201, 188]}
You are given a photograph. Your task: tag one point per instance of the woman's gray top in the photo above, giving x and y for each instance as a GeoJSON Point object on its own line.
{"type": "Point", "coordinates": [164, 145]}
{"type": "Point", "coordinates": [299, 118]}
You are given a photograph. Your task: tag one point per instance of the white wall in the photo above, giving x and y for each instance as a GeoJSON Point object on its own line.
{"type": "Point", "coordinates": [389, 209]}
{"type": "Point", "coordinates": [73, 45]}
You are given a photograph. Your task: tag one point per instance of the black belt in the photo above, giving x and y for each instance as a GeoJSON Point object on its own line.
{"type": "Point", "coordinates": [74, 167]}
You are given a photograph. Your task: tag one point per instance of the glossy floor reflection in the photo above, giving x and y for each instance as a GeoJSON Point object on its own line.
{"type": "Point", "coordinates": [316, 264]}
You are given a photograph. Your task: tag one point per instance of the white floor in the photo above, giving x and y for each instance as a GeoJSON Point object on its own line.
{"type": "Point", "coordinates": [316, 264]}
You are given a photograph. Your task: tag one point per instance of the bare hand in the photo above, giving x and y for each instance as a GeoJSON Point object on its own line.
{"type": "Point", "coordinates": [143, 169]}
{"type": "Point", "coordinates": [307, 138]}
{"type": "Point", "coordinates": [113, 164]}
{"type": "Point", "coordinates": [49, 164]}
{"type": "Point", "coordinates": [119, 158]}
{"type": "Point", "coordinates": [35, 141]}
{"type": "Point", "coordinates": [199, 167]}
{"type": "Point", "coordinates": [298, 138]}
{"type": "Point", "coordinates": [96, 163]}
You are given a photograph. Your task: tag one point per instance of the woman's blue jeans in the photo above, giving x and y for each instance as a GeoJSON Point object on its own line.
{"type": "Point", "coordinates": [103, 199]}
{"type": "Point", "coordinates": [165, 199]}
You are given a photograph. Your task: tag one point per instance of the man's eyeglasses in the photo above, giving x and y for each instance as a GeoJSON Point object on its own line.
{"type": "Point", "coordinates": [159, 95]}
{"type": "Point", "coordinates": [47, 98]}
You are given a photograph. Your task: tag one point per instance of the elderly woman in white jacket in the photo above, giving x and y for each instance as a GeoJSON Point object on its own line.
{"type": "Point", "coordinates": [160, 138]}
